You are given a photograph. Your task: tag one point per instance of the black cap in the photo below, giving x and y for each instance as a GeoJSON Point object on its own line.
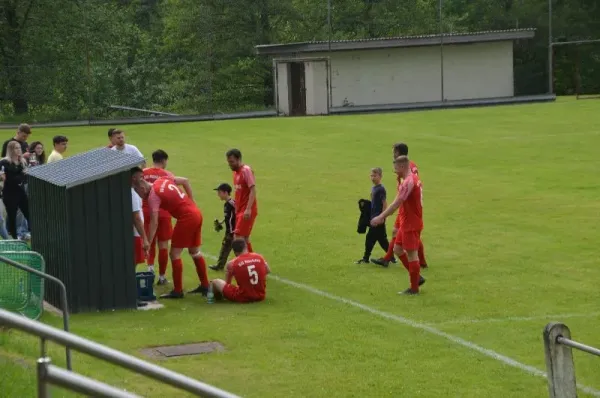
{"type": "Point", "coordinates": [224, 187]}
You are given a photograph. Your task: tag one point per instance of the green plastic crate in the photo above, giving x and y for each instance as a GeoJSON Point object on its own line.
{"type": "Point", "coordinates": [21, 291]}
{"type": "Point", "coordinates": [14, 245]}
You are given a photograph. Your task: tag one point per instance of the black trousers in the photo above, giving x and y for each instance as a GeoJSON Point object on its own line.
{"type": "Point", "coordinates": [225, 249]}
{"type": "Point", "coordinates": [13, 201]}
{"type": "Point", "coordinates": [374, 235]}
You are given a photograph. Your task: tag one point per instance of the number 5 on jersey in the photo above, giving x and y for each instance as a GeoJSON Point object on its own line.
{"type": "Point", "coordinates": [176, 189]}
{"type": "Point", "coordinates": [253, 274]}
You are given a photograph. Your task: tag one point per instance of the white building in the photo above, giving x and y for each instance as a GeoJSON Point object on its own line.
{"type": "Point", "coordinates": [315, 78]}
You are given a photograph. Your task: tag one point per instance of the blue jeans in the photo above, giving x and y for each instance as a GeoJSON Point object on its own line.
{"type": "Point", "coordinates": [3, 231]}
{"type": "Point", "coordinates": [22, 226]}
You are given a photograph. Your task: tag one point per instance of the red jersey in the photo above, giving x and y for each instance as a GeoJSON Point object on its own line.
{"type": "Point", "coordinates": [414, 170]}
{"type": "Point", "coordinates": [243, 180]}
{"type": "Point", "coordinates": [168, 196]}
{"type": "Point", "coordinates": [250, 273]}
{"type": "Point", "coordinates": [411, 194]}
{"type": "Point", "coordinates": [151, 174]}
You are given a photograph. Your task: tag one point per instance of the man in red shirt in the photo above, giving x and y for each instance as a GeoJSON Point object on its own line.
{"type": "Point", "coordinates": [401, 149]}
{"type": "Point", "coordinates": [406, 245]}
{"type": "Point", "coordinates": [187, 234]}
{"type": "Point", "coordinates": [250, 273]}
{"type": "Point", "coordinates": [165, 227]}
{"type": "Point", "coordinates": [246, 208]}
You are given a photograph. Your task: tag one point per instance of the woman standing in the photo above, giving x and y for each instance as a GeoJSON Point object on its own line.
{"type": "Point", "coordinates": [38, 156]}
{"type": "Point", "coordinates": [12, 170]}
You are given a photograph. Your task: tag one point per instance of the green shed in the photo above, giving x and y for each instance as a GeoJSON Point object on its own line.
{"type": "Point", "coordinates": [81, 223]}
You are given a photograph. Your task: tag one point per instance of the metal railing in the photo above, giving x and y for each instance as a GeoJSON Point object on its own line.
{"type": "Point", "coordinates": [63, 299]}
{"type": "Point", "coordinates": [559, 360]}
{"type": "Point", "coordinates": [49, 374]}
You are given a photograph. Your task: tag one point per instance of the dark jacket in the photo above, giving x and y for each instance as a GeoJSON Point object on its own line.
{"type": "Point", "coordinates": [364, 219]}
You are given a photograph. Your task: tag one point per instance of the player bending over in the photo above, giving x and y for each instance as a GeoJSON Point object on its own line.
{"type": "Point", "coordinates": [250, 273]}
{"type": "Point", "coordinates": [246, 208]}
{"type": "Point", "coordinates": [401, 149]}
{"type": "Point", "coordinates": [187, 234]}
{"type": "Point", "coordinates": [408, 237]}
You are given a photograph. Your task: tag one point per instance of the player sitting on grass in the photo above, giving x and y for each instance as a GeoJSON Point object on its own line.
{"type": "Point", "coordinates": [250, 272]}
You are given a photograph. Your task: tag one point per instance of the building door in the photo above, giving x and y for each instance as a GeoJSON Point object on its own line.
{"type": "Point", "coordinates": [298, 82]}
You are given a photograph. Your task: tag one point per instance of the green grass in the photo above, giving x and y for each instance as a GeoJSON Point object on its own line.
{"type": "Point", "coordinates": [511, 209]}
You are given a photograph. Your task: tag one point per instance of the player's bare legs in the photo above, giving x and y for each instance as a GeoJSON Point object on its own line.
{"type": "Point", "coordinates": [163, 261]}
{"type": "Point", "coordinates": [218, 285]}
{"type": "Point", "coordinates": [177, 270]}
{"type": "Point", "coordinates": [410, 260]}
{"type": "Point", "coordinates": [200, 264]}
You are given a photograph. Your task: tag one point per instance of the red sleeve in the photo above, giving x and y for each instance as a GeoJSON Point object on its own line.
{"type": "Point", "coordinates": [248, 177]}
{"type": "Point", "coordinates": [170, 175]}
{"type": "Point", "coordinates": [153, 201]}
{"type": "Point", "coordinates": [406, 188]}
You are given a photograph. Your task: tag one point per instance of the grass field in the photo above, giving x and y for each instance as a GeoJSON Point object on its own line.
{"type": "Point", "coordinates": [511, 235]}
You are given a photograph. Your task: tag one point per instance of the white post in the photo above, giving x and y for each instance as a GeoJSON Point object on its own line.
{"type": "Point", "coordinates": [559, 362]}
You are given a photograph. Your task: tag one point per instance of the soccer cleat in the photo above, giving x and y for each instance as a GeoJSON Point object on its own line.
{"type": "Point", "coordinates": [172, 295]}
{"type": "Point", "coordinates": [424, 266]}
{"type": "Point", "coordinates": [199, 290]}
{"type": "Point", "coordinates": [162, 281]}
{"type": "Point", "coordinates": [362, 261]}
{"type": "Point", "coordinates": [394, 261]}
{"type": "Point", "coordinates": [380, 261]}
{"type": "Point", "coordinates": [421, 280]}
{"type": "Point", "coordinates": [216, 267]}
{"type": "Point", "coordinates": [409, 292]}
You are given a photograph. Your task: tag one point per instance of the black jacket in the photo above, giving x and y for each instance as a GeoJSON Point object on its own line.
{"type": "Point", "coordinates": [364, 219]}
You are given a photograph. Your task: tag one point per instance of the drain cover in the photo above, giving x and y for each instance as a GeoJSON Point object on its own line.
{"type": "Point", "coordinates": [184, 349]}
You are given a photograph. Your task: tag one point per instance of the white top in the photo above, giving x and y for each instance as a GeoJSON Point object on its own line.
{"type": "Point", "coordinates": [136, 202]}
{"type": "Point", "coordinates": [129, 149]}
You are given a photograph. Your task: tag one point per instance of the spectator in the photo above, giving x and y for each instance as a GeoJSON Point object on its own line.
{"type": "Point", "coordinates": [37, 155]}
{"type": "Point", "coordinates": [60, 146]}
{"type": "Point", "coordinates": [111, 141]}
{"type": "Point", "coordinates": [12, 169]}
{"type": "Point", "coordinates": [3, 231]}
{"type": "Point", "coordinates": [23, 132]}
{"type": "Point", "coordinates": [118, 138]}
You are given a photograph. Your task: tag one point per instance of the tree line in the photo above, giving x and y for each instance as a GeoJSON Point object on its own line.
{"type": "Point", "coordinates": [71, 59]}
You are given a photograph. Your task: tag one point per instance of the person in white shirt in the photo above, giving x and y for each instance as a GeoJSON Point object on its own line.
{"type": "Point", "coordinates": [140, 241]}
{"type": "Point", "coordinates": [118, 137]}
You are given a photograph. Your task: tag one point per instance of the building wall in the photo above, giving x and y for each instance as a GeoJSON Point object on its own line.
{"type": "Point", "coordinates": [283, 88]}
{"type": "Point", "coordinates": [316, 87]}
{"type": "Point", "coordinates": [408, 75]}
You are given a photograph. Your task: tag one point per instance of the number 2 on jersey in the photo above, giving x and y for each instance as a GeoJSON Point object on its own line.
{"type": "Point", "coordinates": [176, 189]}
{"type": "Point", "coordinates": [253, 275]}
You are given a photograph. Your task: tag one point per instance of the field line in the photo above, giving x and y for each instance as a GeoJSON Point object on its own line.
{"type": "Point", "coordinates": [556, 317]}
{"type": "Point", "coordinates": [426, 328]}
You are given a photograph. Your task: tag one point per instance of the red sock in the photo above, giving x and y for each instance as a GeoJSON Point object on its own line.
{"type": "Point", "coordinates": [177, 270]}
{"type": "Point", "coordinates": [389, 255]}
{"type": "Point", "coordinates": [201, 270]}
{"type": "Point", "coordinates": [404, 259]}
{"type": "Point", "coordinates": [422, 254]}
{"type": "Point", "coordinates": [163, 260]}
{"type": "Point", "coordinates": [151, 254]}
{"type": "Point", "coordinates": [249, 247]}
{"type": "Point", "coordinates": [414, 269]}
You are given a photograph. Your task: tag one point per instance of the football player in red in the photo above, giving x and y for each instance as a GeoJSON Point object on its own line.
{"type": "Point", "coordinates": [250, 273]}
{"type": "Point", "coordinates": [246, 208]}
{"type": "Point", "coordinates": [408, 237]}
{"type": "Point", "coordinates": [165, 227]}
{"type": "Point", "coordinates": [401, 149]}
{"type": "Point", "coordinates": [187, 234]}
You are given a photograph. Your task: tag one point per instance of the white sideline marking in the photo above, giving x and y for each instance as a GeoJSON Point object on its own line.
{"type": "Point", "coordinates": [405, 321]}
{"type": "Point", "coordinates": [556, 317]}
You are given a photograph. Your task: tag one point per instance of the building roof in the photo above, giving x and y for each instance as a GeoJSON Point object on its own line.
{"type": "Point", "coordinates": [85, 167]}
{"type": "Point", "coordinates": [395, 42]}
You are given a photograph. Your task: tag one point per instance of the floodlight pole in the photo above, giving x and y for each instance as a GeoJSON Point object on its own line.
{"type": "Point", "coordinates": [550, 51]}
{"type": "Point", "coordinates": [441, 18]}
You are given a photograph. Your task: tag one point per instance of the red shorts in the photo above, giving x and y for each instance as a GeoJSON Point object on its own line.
{"type": "Point", "coordinates": [408, 240]}
{"type": "Point", "coordinates": [164, 232]}
{"type": "Point", "coordinates": [244, 227]}
{"type": "Point", "coordinates": [233, 293]}
{"type": "Point", "coordinates": [138, 250]}
{"type": "Point", "coordinates": [187, 232]}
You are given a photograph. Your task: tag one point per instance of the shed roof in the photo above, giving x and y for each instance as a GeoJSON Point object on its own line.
{"type": "Point", "coordinates": [85, 167]}
{"type": "Point", "coordinates": [395, 42]}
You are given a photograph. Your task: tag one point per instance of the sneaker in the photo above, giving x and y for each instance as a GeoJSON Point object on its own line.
{"type": "Point", "coordinates": [409, 292]}
{"type": "Point", "coordinates": [362, 261]}
{"type": "Point", "coordinates": [380, 261]}
{"type": "Point", "coordinates": [200, 290]}
{"type": "Point", "coordinates": [151, 268]}
{"type": "Point", "coordinates": [162, 281]}
{"type": "Point", "coordinates": [172, 295]}
{"type": "Point", "coordinates": [217, 267]}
